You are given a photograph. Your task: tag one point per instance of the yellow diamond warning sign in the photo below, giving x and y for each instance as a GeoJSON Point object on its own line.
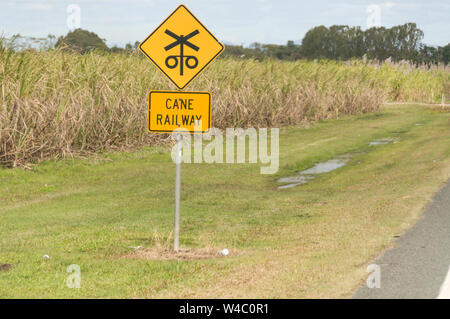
{"type": "Point", "coordinates": [175, 110]}
{"type": "Point", "coordinates": [181, 47]}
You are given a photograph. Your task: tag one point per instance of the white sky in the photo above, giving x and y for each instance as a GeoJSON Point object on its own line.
{"type": "Point", "coordinates": [231, 21]}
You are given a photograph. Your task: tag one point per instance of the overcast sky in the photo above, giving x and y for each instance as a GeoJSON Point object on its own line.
{"type": "Point", "coordinates": [232, 21]}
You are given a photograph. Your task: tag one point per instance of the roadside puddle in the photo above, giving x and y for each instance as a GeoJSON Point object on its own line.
{"type": "Point", "coordinates": [383, 141]}
{"type": "Point", "coordinates": [307, 175]}
{"type": "Point", "coordinates": [295, 180]}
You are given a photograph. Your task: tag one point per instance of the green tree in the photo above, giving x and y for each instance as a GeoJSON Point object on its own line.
{"type": "Point", "coordinates": [405, 41]}
{"type": "Point", "coordinates": [315, 43]}
{"type": "Point", "coordinates": [444, 54]}
{"type": "Point", "coordinates": [342, 42]}
{"type": "Point", "coordinates": [81, 41]}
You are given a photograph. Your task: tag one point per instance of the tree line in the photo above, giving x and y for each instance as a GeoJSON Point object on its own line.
{"type": "Point", "coordinates": [338, 42]}
{"type": "Point", "coordinates": [341, 42]}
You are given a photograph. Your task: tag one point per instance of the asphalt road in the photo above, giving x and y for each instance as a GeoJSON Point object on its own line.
{"type": "Point", "coordinates": [418, 265]}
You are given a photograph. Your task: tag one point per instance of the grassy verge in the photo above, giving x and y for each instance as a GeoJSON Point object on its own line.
{"type": "Point", "coordinates": [309, 241]}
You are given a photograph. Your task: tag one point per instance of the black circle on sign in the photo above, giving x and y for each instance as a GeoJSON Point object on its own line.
{"type": "Point", "coordinates": [189, 58]}
{"type": "Point", "coordinates": [172, 57]}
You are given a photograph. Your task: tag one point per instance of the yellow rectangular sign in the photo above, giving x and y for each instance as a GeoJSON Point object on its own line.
{"type": "Point", "coordinates": [183, 111]}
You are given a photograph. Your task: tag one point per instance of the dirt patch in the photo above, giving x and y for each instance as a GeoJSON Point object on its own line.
{"type": "Point", "coordinates": [5, 267]}
{"type": "Point", "coordinates": [182, 254]}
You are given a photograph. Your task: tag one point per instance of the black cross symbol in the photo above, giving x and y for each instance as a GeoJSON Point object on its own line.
{"type": "Point", "coordinates": [181, 40]}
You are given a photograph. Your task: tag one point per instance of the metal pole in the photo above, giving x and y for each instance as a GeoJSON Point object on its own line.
{"type": "Point", "coordinates": [176, 233]}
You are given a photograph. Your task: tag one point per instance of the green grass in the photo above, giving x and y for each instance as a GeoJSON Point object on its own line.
{"type": "Point", "coordinates": [309, 241]}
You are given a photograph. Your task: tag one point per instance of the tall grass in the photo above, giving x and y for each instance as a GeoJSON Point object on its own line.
{"type": "Point", "coordinates": [56, 104]}
{"type": "Point", "coordinates": [405, 82]}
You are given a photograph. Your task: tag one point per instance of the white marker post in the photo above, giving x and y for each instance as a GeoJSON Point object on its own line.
{"type": "Point", "coordinates": [176, 233]}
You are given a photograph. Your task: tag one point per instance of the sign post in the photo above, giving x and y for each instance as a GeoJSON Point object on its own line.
{"type": "Point", "coordinates": [180, 47]}
{"type": "Point", "coordinates": [176, 232]}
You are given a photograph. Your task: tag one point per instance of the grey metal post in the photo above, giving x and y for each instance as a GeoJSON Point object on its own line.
{"type": "Point", "coordinates": [176, 233]}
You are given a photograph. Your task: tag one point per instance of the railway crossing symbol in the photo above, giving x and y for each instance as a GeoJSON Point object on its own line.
{"type": "Point", "coordinates": [181, 47]}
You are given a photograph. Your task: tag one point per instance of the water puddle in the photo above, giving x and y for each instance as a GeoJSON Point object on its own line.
{"type": "Point", "coordinates": [326, 167]}
{"type": "Point", "coordinates": [383, 141]}
{"type": "Point", "coordinates": [295, 180]}
{"type": "Point", "coordinates": [307, 175]}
